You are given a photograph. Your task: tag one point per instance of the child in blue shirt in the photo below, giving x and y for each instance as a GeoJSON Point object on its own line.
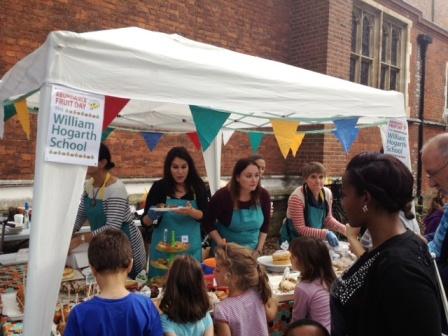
{"type": "Point", "coordinates": [114, 312]}
{"type": "Point", "coordinates": [185, 302]}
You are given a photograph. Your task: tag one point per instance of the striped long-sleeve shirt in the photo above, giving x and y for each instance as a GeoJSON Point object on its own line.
{"type": "Point", "coordinates": [296, 212]}
{"type": "Point", "coordinates": [117, 211]}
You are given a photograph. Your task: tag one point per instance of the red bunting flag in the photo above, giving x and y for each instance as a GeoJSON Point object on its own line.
{"type": "Point", "coordinates": [195, 139]}
{"type": "Point", "coordinates": [112, 106]}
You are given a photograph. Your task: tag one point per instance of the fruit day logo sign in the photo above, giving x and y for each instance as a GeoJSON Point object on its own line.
{"type": "Point", "coordinates": [74, 130]}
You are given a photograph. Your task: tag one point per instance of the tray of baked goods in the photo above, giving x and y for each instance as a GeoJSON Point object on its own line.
{"type": "Point", "coordinates": [283, 286]}
{"type": "Point", "coordinates": [174, 247]}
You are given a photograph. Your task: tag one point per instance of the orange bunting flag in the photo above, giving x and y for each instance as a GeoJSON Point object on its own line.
{"type": "Point", "coordinates": [297, 141]}
{"type": "Point", "coordinates": [285, 132]}
{"type": "Point", "coordinates": [23, 116]}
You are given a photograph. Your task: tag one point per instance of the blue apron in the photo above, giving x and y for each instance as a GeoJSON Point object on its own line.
{"type": "Point", "coordinates": [182, 225]}
{"type": "Point", "coordinates": [244, 229]}
{"type": "Point", "coordinates": [315, 219]}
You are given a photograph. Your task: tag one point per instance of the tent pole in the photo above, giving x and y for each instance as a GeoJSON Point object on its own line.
{"type": "Point", "coordinates": [56, 194]}
{"type": "Point", "coordinates": [212, 158]}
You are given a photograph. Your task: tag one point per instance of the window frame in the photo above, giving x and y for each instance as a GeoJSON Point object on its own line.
{"type": "Point", "coordinates": [381, 17]}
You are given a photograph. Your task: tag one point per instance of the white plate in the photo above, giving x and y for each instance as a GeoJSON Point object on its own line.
{"type": "Point", "coordinates": [165, 209]}
{"type": "Point", "coordinates": [266, 261]}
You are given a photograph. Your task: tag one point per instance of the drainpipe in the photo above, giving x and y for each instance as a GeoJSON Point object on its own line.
{"type": "Point", "coordinates": [423, 42]}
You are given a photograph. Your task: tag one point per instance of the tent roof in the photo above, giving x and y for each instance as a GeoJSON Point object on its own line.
{"type": "Point", "coordinates": [162, 74]}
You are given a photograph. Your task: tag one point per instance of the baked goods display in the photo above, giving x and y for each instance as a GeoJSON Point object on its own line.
{"type": "Point", "coordinates": [131, 285]}
{"type": "Point", "coordinates": [342, 264]}
{"type": "Point", "coordinates": [69, 273]}
{"type": "Point", "coordinates": [176, 247]}
{"type": "Point", "coordinates": [281, 257]}
{"type": "Point", "coordinates": [162, 264]}
{"type": "Point", "coordinates": [288, 284]}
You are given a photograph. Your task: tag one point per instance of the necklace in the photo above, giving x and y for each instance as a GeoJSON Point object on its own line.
{"type": "Point", "coordinates": [95, 193]}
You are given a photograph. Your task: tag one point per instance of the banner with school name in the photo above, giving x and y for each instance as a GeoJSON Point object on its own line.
{"type": "Point", "coordinates": [396, 140]}
{"type": "Point", "coordinates": [75, 126]}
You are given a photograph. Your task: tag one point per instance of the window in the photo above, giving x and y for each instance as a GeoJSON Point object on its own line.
{"type": "Point", "coordinates": [377, 49]}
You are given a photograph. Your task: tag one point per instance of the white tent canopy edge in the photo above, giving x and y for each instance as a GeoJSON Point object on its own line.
{"type": "Point", "coordinates": [162, 69]}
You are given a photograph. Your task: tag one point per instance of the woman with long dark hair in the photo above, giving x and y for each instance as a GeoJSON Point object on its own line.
{"type": "Point", "coordinates": [392, 288]}
{"type": "Point", "coordinates": [181, 187]}
{"type": "Point", "coordinates": [240, 211]}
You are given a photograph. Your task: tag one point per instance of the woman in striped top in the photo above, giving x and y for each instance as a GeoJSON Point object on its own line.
{"type": "Point", "coordinates": [105, 205]}
{"type": "Point", "coordinates": [309, 209]}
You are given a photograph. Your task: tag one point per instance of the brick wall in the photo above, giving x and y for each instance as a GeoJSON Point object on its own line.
{"type": "Point", "coordinates": [313, 34]}
{"type": "Point", "coordinates": [309, 34]}
{"type": "Point", "coordinates": [259, 27]}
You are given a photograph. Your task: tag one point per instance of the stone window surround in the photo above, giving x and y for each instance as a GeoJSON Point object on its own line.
{"type": "Point", "coordinates": [372, 6]}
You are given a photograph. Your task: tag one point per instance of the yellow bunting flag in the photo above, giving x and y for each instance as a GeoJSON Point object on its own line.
{"type": "Point", "coordinates": [285, 131]}
{"type": "Point", "coordinates": [297, 141]}
{"type": "Point", "coordinates": [23, 116]}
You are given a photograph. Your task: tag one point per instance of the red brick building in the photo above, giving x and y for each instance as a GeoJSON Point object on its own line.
{"type": "Point", "coordinates": [372, 42]}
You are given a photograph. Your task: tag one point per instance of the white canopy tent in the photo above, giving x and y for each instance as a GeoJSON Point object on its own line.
{"type": "Point", "coordinates": [162, 75]}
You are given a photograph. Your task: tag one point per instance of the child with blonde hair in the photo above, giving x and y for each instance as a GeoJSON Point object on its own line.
{"type": "Point", "coordinates": [249, 305]}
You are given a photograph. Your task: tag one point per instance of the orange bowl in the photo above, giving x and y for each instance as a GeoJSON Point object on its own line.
{"type": "Point", "coordinates": [210, 262]}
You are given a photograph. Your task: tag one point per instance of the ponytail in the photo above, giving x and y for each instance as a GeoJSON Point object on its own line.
{"type": "Point", "coordinates": [264, 289]}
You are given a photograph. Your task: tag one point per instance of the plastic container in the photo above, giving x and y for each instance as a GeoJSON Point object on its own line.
{"type": "Point", "coordinates": [208, 265]}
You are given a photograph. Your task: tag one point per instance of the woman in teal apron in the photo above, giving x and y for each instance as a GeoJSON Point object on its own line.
{"type": "Point", "coordinates": [309, 209]}
{"type": "Point", "coordinates": [105, 205]}
{"type": "Point", "coordinates": [182, 189]}
{"type": "Point", "coordinates": [240, 212]}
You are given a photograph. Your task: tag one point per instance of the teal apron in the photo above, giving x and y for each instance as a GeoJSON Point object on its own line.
{"type": "Point", "coordinates": [97, 217]}
{"type": "Point", "coordinates": [182, 225]}
{"type": "Point", "coordinates": [316, 217]}
{"type": "Point", "coordinates": [244, 229]}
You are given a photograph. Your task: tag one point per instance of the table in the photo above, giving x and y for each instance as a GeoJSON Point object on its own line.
{"type": "Point", "coordinates": [25, 233]}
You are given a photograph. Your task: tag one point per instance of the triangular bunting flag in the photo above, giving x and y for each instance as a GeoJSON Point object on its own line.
{"type": "Point", "coordinates": [112, 106]}
{"type": "Point", "coordinates": [226, 134]}
{"type": "Point", "coordinates": [285, 132]}
{"type": "Point", "coordinates": [10, 111]}
{"type": "Point", "coordinates": [208, 122]}
{"type": "Point", "coordinates": [297, 141]}
{"type": "Point", "coordinates": [105, 134]}
{"type": "Point", "coordinates": [151, 139]}
{"type": "Point", "coordinates": [255, 139]}
{"type": "Point", "coordinates": [346, 132]}
{"type": "Point", "coordinates": [23, 116]}
{"type": "Point", "coordinates": [195, 139]}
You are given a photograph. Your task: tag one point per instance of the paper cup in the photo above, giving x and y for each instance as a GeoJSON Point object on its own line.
{"type": "Point", "coordinates": [18, 218]}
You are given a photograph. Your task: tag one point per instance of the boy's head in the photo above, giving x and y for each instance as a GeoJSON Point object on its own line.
{"type": "Point", "coordinates": [306, 327]}
{"type": "Point", "coordinates": [110, 252]}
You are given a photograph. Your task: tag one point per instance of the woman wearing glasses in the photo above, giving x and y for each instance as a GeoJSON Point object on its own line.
{"type": "Point", "coordinates": [105, 205]}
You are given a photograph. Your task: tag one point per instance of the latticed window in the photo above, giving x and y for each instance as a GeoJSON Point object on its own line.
{"type": "Point", "coordinates": [377, 49]}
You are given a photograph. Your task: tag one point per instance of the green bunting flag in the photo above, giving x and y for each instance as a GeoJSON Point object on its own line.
{"type": "Point", "coordinates": [208, 123]}
{"type": "Point", "coordinates": [106, 133]}
{"type": "Point", "coordinates": [10, 111]}
{"type": "Point", "coordinates": [255, 139]}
